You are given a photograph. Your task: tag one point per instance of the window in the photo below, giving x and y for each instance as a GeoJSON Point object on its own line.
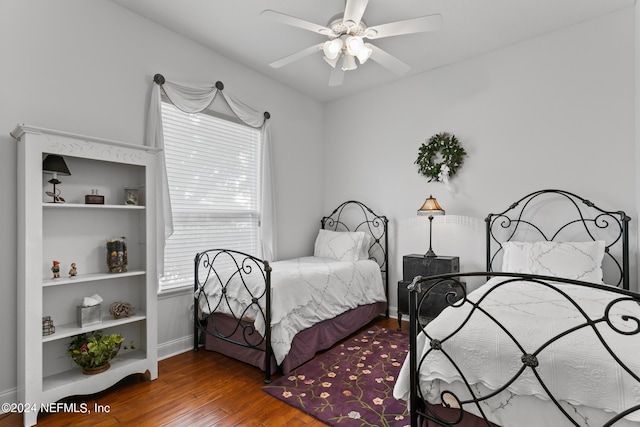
{"type": "Point", "coordinates": [213, 170]}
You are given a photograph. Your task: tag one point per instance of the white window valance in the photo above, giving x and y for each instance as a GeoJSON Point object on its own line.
{"type": "Point", "coordinates": [194, 99]}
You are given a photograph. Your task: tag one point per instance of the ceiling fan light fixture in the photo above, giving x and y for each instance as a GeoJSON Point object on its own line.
{"type": "Point", "coordinates": [349, 63]}
{"type": "Point", "coordinates": [331, 61]}
{"type": "Point", "coordinates": [364, 54]}
{"type": "Point", "coordinates": [332, 48]}
{"type": "Point", "coordinates": [354, 45]}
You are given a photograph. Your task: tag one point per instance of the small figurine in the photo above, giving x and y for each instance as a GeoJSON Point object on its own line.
{"type": "Point", "coordinates": [73, 272]}
{"type": "Point", "coordinates": [56, 269]}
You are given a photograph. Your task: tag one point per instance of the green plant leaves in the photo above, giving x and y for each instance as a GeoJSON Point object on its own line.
{"type": "Point", "coordinates": [93, 349]}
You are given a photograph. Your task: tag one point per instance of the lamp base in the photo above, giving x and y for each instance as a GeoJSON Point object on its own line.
{"type": "Point", "coordinates": [55, 194]}
{"type": "Point", "coordinates": [430, 253]}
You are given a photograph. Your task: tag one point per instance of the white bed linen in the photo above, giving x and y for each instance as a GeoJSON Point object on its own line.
{"type": "Point", "coordinates": [577, 368]}
{"type": "Point", "coordinates": [510, 410]}
{"type": "Point", "coordinates": [304, 291]}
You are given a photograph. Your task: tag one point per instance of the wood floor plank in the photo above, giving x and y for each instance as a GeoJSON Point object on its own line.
{"type": "Point", "coordinates": [199, 388]}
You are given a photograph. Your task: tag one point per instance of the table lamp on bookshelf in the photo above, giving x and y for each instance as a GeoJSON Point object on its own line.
{"type": "Point", "coordinates": [55, 165]}
{"type": "Point", "coordinates": [431, 208]}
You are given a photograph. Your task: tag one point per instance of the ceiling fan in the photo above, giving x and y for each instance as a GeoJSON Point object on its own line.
{"type": "Point", "coordinates": [346, 34]}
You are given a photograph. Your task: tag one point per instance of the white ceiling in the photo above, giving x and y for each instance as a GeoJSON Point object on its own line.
{"type": "Point", "coordinates": [235, 29]}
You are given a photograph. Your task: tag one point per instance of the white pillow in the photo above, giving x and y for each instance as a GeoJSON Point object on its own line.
{"type": "Point", "coordinates": [516, 257]}
{"type": "Point", "coordinates": [367, 241]}
{"type": "Point", "coordinates": [338, 245]}
{"type": "Point", "coordinates": [571, 260]}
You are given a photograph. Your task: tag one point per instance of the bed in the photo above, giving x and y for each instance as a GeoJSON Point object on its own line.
{"type": "Point", "coordinates": [309, 303]}
{"type": "Point", "coordinates": [543, 341]}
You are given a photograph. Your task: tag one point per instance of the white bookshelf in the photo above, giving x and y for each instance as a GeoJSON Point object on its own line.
{"type": "Point", "coordinates": [77, 232]}
{"type": "Point", "coordinates": [90, 277]}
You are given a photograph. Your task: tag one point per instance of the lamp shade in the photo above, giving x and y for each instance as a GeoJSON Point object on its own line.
{"type": "Point", "coordinates": [431, 207]}
{"type": "Point", "coordinates": [356, 47]}
{"type": "Point", "coordinates": [364, 54]}
{"type": "Point", "coordinates": [333, 62]}
{"type": "Point", "coordinates": [332, 48]}
{"type": "Point", "coordinates": [54, 164]}
{"type": "Point", "coordinates": [349, 63]}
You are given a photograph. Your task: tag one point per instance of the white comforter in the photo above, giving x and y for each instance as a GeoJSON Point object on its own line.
{"type": "Point", "coordinates": [304, 291]}
{"type": "Point", "coordinates": [577, 368]}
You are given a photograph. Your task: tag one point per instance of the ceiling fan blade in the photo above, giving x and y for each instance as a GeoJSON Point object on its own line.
{"type": "Point", "coordinates": [388, 61]}
{"type": "Point", "coordinates": [354, 10]}
{"type": "Point", "coordinates": [296, 22]}
{"type": "Point", "coordinates": [409, 26]}
{"type": "Point", "coordinates": [295, 56]}
{"type": "Point", "coordinates": [337, 76]}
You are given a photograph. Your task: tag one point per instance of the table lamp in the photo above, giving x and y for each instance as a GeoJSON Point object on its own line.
{"type": "Point", "coordinates": [55, 165]}
{"type": "Point", "coordinates": [431, 208]}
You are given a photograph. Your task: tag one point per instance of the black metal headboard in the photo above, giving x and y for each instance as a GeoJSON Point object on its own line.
{"type": "Point", "coordinates": [577, 219]}
{"type": "Point", "coordinates": [356, 216]}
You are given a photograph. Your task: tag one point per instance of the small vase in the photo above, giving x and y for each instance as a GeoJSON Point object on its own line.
{"type": "Point", "coordinates": [96, 370]}
{"type": "Point", "coordinates": [131, 196]}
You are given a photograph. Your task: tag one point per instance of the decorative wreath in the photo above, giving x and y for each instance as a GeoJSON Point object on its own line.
{"type": "Point", "coordinates": [440, 157]}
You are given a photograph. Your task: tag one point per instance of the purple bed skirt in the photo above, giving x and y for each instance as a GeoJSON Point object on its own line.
{"type": "Point", "coordinates": [469, 420]}
{"type": "Point", "coordinates": [305, 344]}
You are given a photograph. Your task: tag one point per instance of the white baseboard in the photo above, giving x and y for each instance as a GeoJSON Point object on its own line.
{"type": "Point", "coordinates": [393, 312]}
{"type": "Point", "coordinates": [9, 396]}
{"type": "Point", "coordinates": [175, 347]}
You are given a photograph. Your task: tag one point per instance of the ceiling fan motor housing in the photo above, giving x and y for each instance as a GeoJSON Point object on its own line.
{"type": "Point", "coordinates": [340, 27]}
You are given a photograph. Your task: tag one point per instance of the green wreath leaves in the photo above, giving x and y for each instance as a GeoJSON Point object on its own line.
{"type": "Point", "coordinates": [440, 157]}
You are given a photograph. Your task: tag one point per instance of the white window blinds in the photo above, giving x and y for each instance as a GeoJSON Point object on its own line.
{"type": "Point", "coordinates": [213, 170]}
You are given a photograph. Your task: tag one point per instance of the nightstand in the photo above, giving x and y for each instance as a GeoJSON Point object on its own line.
{"type": "Point", "coordinates": [419, 265]}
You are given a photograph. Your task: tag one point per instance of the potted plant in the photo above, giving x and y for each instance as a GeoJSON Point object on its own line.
{"type": "Point", "coordinates": [93, 351]}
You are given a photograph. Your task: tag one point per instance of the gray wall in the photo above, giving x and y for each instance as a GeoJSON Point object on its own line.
{"type": "Point", "coordinates": [556, 111]}
{"type": "Point", "coordinates": [537, 114]}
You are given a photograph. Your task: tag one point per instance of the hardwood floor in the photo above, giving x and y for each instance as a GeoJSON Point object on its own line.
{"type": "Point", "coordinates": [200, 388]}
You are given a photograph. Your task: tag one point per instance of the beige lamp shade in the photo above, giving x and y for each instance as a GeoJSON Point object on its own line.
{"type": "Point", "coordinates": [431, 207]}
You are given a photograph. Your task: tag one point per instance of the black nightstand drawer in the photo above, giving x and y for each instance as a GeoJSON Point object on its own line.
{"type": "Point", "coordinates": [419, 265]}
{"type": "Point", "coordinates": [433, 304]}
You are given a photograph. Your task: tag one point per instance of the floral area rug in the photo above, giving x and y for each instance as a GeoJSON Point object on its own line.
{"type": "Point", "coordinates": [352, 383]}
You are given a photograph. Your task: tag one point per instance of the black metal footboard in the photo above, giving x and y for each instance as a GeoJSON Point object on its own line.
{"type": "Point", "coordinates": [614, 324]}
{"type": "Point", "coordinates": [238, 286]}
